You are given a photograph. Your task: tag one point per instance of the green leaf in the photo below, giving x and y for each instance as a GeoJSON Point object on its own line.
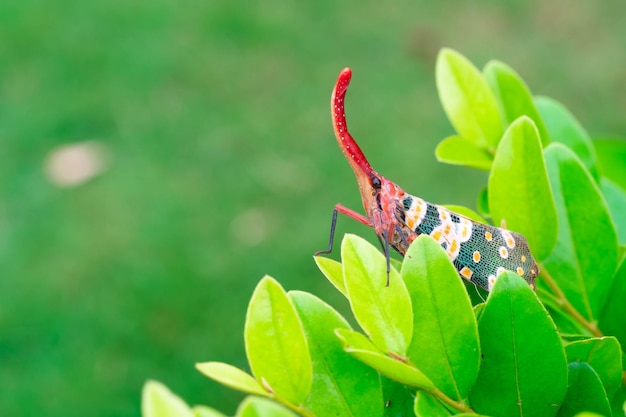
{"type": "Point", "coordinates": [611, 154]}
{"type": "Point", "coordinates": [519, 192]}
{"type": "Point", "coordinates": [466, 212]}
{"type": "Point", "coordinates": [612, 316]}
{"type": "Point", "coordinates": [383, 312]}
{"type": "Point", "coordinates": [204, 411]}
{"type": "Point", "coordinates": [469, 415]}
{"type": "Point", "coordinates": [514, 96]}
{"type": "Point", "coordinates": [467, 100]}
{"type": "Point", "coordinates": [361, 348]}
{"type": "Point", "coordinates": [478, 310]}
{"type": "Point", "coordinates": [457, 150]}
{"type": "Point", "coordinates": [342, 385]}
{"type": "Point", "coordinates": [618, 402]}
{"type": "Point", "coordinates": [333, 271]}
{"type": "Point", "coordinates": [585, 256]}
{"type": "Point", "coordinates": [231, 376]}
{"type": "Point", "coordinates": [262, 407]}
{"type": "Point", "coordinates": [428, 406]}
{"type": "Point", "coordinates": [398, 398]}
{"type": "Point", "coordinates": [564, 128]}
{"type": "Point", "coordinates": [482, 203]}
{"type": "Point", "coordinates": [276, 347]}
{"type": "Point", "coordinates": [523, 370]}
{"type": "Point", "coordinates": [158, 401]}
{"type": "Point", "coordinates": [445, 339]}
{"type": "Point", "coordinates": [585, 392]}
{"type": "Point", "coordinates": [603, 355]}
{"type": "Point", "coordinates": [615, 198]}
{"type": "Point", "coordinates": [476, 294]}
{"type": "Point", "coordinates": [564, 321]}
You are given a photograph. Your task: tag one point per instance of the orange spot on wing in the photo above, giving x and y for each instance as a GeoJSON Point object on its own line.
{"type": "Point", "coordinates": [523, 258]}
{"type": "Point", "coordinates": [466, 272]}
{"type": "Point", "coordinates": [476, 256]}
{"type": "Point", "coordinates": [488, 236]}
{"type": "Point", "coordinates": [520, 271]}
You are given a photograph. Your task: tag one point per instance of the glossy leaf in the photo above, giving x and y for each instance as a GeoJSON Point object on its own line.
{"type": "Point", "coordinates": [618, 402]}
{"type": "Point", "coordinates": [398, 398]}
{"type": "Point", "coordinates": [564, 128]}
{"type": "Point", "coordinates": [262, 407]}
{"type": "Point", "coordinates": [523, 370]}
{"type": "Point", "coordinates": [276, 347]}
{"type": "Point", "coordinates": [467, 100]}
{"type": "Point", "coordinates": [469, 415]}
{"type": "Point", "coordinates": [614, 311]}
{"type": "Point", "coordinates": [445, 340]}
{"type": "Point", "coordinates": [476, 294]}
{"type": "Point", "coordinates": [342, 385]}
{"type": "Point", "coordinates": [585, 392]}
{"type": "Point", "coordinates": [361, 348]}
{"type": "Point", "coordinates": [615, 198]}
{"type": "Point", "coordinates": [603, 355]}
{"type": "Point", "coordinates": [585, 256]}
{"type": "Point", "coordinates": [611, 154]}
{"type": "Point", "coordinates": [566, 324]}
{"type": "Point", "coordinates": [457, 150]}
{"type": "Point", "coordinates": [478, 310]}
{"type": "Point", "coordinates": [158, 401]}
{"type": "Point", "coordinates": [383, 312]}
{"type": "Point", "coordinates": [204, 411]}
{"type": "Point", "coordinates": [428, 406]}
{"type": "Point", "coordinates": [482, 203]}
{"type": "Point", "coordinates": [519, 191]}
{"type": "Point", "coordinates": [464, 211]}
{"type": "Point", "coordinates": [231, 376]}
{"type": "Point", "coordinates": [514, 96]}
{"type": "Point", "coordinates": [333, 271]}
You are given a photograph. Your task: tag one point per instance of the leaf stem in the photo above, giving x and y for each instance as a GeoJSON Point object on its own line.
{"type": "Point", "coordinates": [564, 303]}
{"type": "Point", "coordinates": [457, 405]}
{"type": "Point", "coordinates": [298, 409]}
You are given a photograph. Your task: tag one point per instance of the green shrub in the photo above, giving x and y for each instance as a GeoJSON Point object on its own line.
{"type": "Point", "coordinates": [429, 345]}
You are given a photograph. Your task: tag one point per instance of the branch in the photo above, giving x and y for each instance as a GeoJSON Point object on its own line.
{"type": "Point", "coordinates": [457, 405]}
{"type": "Point", "coordinates": [566, 305]}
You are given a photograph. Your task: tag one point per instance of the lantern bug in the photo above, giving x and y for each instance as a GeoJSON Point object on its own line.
{"type": "Point", "coordinates": [479, 252]}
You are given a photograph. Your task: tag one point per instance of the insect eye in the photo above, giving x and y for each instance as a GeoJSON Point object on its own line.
{"type": "Point", "coordinates": [375, 181]}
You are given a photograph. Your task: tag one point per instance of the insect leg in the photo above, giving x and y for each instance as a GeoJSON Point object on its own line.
{"type": "Point", "coordinates": [350, 213]}
{"type": "Point", "coordinates": [385, 246]}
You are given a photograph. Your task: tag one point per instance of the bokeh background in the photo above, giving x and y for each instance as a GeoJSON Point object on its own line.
{"type": "Point", "coordinates": [158, 157]}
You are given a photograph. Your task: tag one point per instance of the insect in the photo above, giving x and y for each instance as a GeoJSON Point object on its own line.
{"type": "Point", "coordinates": [479, 252]}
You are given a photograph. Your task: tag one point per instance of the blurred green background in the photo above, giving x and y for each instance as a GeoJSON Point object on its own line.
{"type": "Point", "coordinates": [213, 121]}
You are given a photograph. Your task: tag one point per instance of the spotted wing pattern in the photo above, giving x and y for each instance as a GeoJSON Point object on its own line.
{"type": "Point", "coordinates": [479, 252]}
